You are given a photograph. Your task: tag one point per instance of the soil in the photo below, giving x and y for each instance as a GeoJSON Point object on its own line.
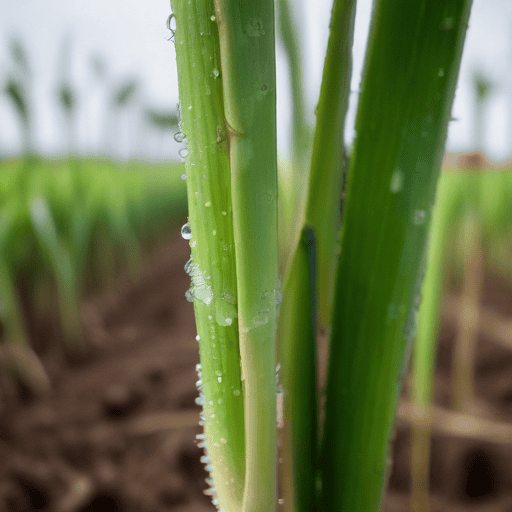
{"type": "Point", "coordinates": [117, 432]}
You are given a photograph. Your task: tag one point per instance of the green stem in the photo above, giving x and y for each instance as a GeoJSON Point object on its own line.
{"type": "Point", "coordinates": [212, 266]}
{"type": "Point", "coordinates": [247, 43]}
{"type": "Point", "coordinates": [326, 177]}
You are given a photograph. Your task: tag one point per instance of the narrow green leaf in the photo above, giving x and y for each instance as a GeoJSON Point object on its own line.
{"type": "Point", "coordinates": [327, 161]}
{"type": "Point", "coordinates": [297, 335]}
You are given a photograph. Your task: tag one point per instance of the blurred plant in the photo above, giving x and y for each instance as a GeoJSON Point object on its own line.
{"type": "Point", "coordinates": [473, 208]}
{"type": "Point", "coordinates": [121, 97]}
{"type": "Point", "coordinates": [66, 95]}
{"type": "Point", "coordinates": [17, 91]}
{"type": "Point", "coordinates": [162, 121]}
{"type": "Point", "coordinates": [482, 89]}
{"type": "Point", "coordinates": [63, 229]}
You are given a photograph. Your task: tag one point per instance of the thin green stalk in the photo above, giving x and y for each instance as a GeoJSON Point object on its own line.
{"type": "Point", "coordinates": [297, 335]}
{"type": "Point", "coordinates": [469, 316]}
{"type": "Point", "coordinates": [297, 326]}
{"type": "Point", "coordinates": [445, 211]}
{"type": "Point", "coordinates": [294, 173]}
{"type": "Point", "coordinates": [290, 37]}
{"type": "Point", "coordinates": [212, 265]}
{"type": "Point", "coordinates": [247, 44]}
{"type": "Point", "coordinates": [411, 70]}
{"type": "Point", "coordinates": [327, 162]}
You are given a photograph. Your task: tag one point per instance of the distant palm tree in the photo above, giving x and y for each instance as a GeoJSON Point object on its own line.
{"type": "Point", "coordinates": [482, 87]}
{"type": "Point", "coordinates": [17, 91]}
{"type": "Point", "coordinates": [122, 97]}
{"type": "Point", "coordinates": [163, 122]}
{"type": "Point", "coordinates": [66, 95]}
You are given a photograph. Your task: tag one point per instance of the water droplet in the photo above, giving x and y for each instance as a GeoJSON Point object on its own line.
{"type": "Point", "coordinates": [193, 243]}
{"type": "Point", "coordinates": [207, 204]}
{"type": "Point", "coordinates": [229, 321]}
{"type": "Point", "coordinates": [183, 176]}
{"type": "Point", "coordinates": [179, 137]}
{"type": "Point", "coordinates": [199, 289]}
{"type": "Point", "coordinates": [447, 24]}
{"type": "Point", "coordinates": [225, 247]}
{"type": "Point", "coordinates": [255, 28]}
{"type": "Point", "coordinates": [236, 392]}
{"type": "Point", "coordinates": [216, 73]}
{"type": "Point", "coordinates": [200, 400]}
{"type": "Point", "coordinates": [197, 338]}
{"type": "Point", "coordinates": [183, 152]}
{"type": "Point", "coordinates": [440, 73]}
{"type": "Point", "coordinates": [281, 500]}
{"type": "Point", "coordinates": [190, 107]}
{"type": "Point", "coordinates": [171, 26]}
{"type": "Point", "coordinates": [397, 181]}
{"type": "Point", "coordinates": [186, 232]}
{"type": "Point", "coordinates": [224, 213]}
{"type": "Point", "coordinates": [419, 217]}
{"type": "Point", "coordinates": [212, 17]}
{"type": "Point", "coordinates": [219, 379]}
{"type": "Point", "coordinates": [214, 232]}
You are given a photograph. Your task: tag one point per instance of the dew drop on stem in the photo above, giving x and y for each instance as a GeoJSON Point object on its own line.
{"type": "Point", "coordinates": [186, 231]}
{"type": "Point", "coordinates": [419, 217]}
{"type": "Point", "coordinates": [179, 137]}
{"type": "Point", "coordinates": [397, 181]}
{"type": "Point", "coordinates": [171, 26]}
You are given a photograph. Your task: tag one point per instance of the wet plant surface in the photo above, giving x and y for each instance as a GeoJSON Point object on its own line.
{"type": "Point", "coordinates": [117, 433]}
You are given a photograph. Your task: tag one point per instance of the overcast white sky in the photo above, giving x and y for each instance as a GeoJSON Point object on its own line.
{"type": "Point", "coordinates": [131, 36]}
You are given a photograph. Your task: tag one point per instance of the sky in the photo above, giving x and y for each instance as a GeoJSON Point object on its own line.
{"type": "Point", "coordinates": [132, 38]}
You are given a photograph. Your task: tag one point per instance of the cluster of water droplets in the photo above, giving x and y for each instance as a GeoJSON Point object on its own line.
{"type": "Point", "coordinates": [271, 304]}
{"type": "Point", "coordinates": [279, 399]}
{"type": "Point", "coordinates": [200, 289]}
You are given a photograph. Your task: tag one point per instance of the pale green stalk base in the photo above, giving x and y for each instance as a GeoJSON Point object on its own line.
{"type": "Point", "coordinates": [212, 267]}
{"type": "Point", "coordinates": [246, 33]}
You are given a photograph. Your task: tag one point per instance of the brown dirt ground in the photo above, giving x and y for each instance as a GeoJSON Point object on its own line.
{"type": "Point", "coordinates": [117, 433]}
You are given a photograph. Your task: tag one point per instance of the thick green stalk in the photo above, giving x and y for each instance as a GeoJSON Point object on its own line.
{"type": "Point", "coordinates": [411, 70]}
{"type": "Point", "coordinates": [210, 230]}
{"type": "Point", "coordinates": [247, 43]}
